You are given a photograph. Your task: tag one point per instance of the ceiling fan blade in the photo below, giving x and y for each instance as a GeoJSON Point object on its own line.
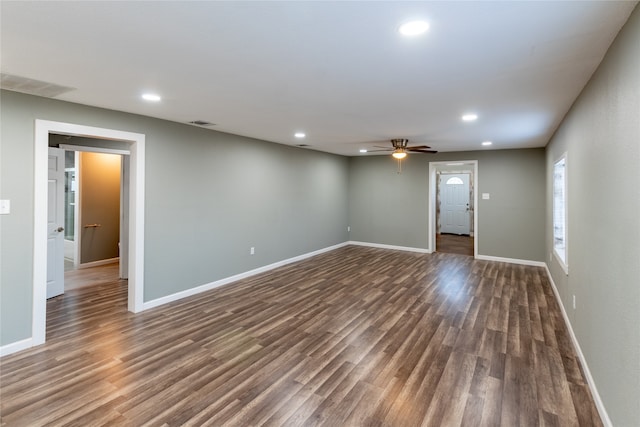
{"type": "Point", "coordinates": [384, 149]}
{"type": "Point", "coordinates": [420, 147]}
{"type": "Point", "coordinates": [421, 151]}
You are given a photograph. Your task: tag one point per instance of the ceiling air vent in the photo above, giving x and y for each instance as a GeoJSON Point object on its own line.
{"type": "Point", "coordinates": [202, 123]}
{"type": "Point", "coordinates": [302, 145]}
{"type": "Point", "coordinates": [32, 87]}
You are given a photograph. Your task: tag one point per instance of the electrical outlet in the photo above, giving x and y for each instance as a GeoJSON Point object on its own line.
{"type": "Point", "coordinates": [348, 228]}
{"type": "Point", "coordinates": [574, 302]}
{"type": "Point", "coordinates": [252, 251]}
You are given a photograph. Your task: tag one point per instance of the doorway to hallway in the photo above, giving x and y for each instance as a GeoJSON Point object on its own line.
{"type": "Point", "coordinates": [453, 220]}
{"type": "Point", "coordinates": [136, 147]}
{"type": "Point", "coordinates": [95, 211]}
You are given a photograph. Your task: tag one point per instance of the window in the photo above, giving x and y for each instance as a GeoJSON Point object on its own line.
{"type": "Point", "coordinates": [454, 181]}
{"type": "Point", "coordinates": [560, 211]}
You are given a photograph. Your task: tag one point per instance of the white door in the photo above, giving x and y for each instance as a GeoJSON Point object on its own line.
{"type": "Point", "coordinates": [55, 222]}
{"type": "Point", "coordinates": [455, 215]}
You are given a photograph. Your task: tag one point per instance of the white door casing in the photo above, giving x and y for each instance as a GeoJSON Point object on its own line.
{"type": "Point", "coordinates": [55, 223]}
{"type": "Point", "coordinates": [454, 207]}
{"type": "Point", "coordinates": [468, 166]}
{"type": "Point", "coordinates": [124, 215]}
{"type": "Point", "coordinates": [136, 215]}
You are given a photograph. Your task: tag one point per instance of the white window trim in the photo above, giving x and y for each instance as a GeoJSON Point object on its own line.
{"type": "Point", "coordinates": [564, 264]}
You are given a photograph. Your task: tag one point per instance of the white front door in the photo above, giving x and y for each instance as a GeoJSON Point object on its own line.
{"type": "Point", "coordinates": [454, 208]}
{"type": "Point", "coordinates": [55, 222]}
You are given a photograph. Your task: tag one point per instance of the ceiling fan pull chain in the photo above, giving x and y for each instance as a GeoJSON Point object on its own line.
{"type": "Point", "coordinates": [399, 166]}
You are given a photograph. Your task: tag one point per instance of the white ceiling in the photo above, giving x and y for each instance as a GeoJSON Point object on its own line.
{"type": "Point", "coordinates": [339, 71]}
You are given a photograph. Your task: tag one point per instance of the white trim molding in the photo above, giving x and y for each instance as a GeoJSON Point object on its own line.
{"type": "Point", "coordinates": [227, 280]}
{"type": "Point", "coordinates": [511, 260]}
{"type": "Point", "coordinates": [70, 147]}
{"type": "Point", "coordinates": [392, 247]}
{"type": "Point", "coordinates": [15, 347]}
{"type": "Point", "coordinates": [576, 345]}
{"type": "Point", "coordinates": [98, 263]}
{"type": "Point", "coordinates": [563, 259]}
{"type": "Point", "coordinates": [136, 214]}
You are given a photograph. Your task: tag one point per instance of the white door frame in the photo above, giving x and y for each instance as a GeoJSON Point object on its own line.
{"type": "Point", "coordinates": [136, 214]}
{"type": "Point", "coordinates": [124, 189]}
{"type": "Point", "coordinates": [433, 167]}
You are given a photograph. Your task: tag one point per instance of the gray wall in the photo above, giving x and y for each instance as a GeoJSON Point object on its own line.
{"type": "Point", "coordinates": [601, 136]}
{"type": "Point", "coordinates": [390, 208]}
{"type": "Point", "coordinates": [209, 197]}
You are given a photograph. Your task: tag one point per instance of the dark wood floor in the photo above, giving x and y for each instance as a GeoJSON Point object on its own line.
{"type": "Point", "coordinates": [355, 337]}
{"type": "Point", "coordinates": [454, 244]}
{"type": "Point", "coordinates": [77, 278]}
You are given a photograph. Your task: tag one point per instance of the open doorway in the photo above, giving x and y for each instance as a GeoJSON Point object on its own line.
{"type": "Point", "coordinates": [95, 212]}
{"type": "Point", "coordinates": [108, 139]}
{"type": "Point", "coordinates": [452, 213]}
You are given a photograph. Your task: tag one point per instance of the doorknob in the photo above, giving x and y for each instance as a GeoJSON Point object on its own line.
{"type": "Point", "coordinates": [60, 229]}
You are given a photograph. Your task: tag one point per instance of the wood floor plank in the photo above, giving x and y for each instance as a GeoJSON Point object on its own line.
{"type": "Point", "coordinates": [353, 337]}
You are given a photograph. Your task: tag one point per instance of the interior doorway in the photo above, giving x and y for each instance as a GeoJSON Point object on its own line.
{"type": "Point", "coordinates": [108, 139]}
{"type": "Point", "coordinates": [95, 212]}
{"type": "Point", "coordinates": [453, 226]}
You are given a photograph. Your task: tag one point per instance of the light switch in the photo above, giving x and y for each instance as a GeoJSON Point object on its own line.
{"type": "Point", "coordinates": [486, 196]}
{"type": "Point", "coordinates": [5, 207]}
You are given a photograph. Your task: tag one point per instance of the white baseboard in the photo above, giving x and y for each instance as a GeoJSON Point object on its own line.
{"type": "Point", "coordinates": [98, 263]}
{"type": "Point", "coordinates": [208, 286]}
{"type": "Point", "coordinates": [592, 385]}
{"type": "Point", "coordinates": [14, 347]}
{"type": "Point", "coordinates": [511, 260]}
{"type": "Point", "coordinates": [397, 248]}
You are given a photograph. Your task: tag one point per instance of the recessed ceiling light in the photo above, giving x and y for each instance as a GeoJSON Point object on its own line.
{"type": "Point", "coordinates": [413, 28]}
{"type": "Point", "coordinates": [151, 97]}
{"type": "Point", "coordinates": [363, 150]}
{"type": "Point", "coordinates": [470, 117]}
{"type": "Point", "coordinates": [299, 135]}
{"type": "Point", "coordinates": [487, 143]}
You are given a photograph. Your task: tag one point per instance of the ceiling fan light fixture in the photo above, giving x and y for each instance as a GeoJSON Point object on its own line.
{"type": "Point", "coordinates": [399, 154]}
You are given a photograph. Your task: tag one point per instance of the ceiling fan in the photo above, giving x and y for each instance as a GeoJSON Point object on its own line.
{"type": "Point", "coordinates": [400, 148]}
